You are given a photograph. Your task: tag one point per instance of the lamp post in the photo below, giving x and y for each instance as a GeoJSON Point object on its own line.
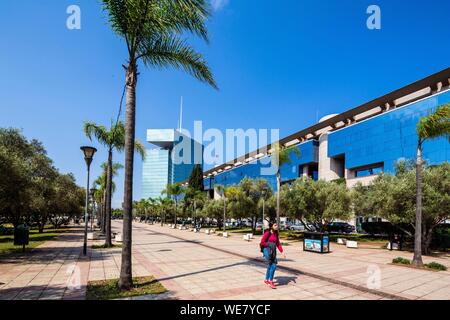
{"type": "Point", "coordinates": [222, 193]}
{"type": "Point", "coordinates": [93, 190]}
{"type": "Point", "coordinates": [224, 211]}
{"type": "Point", "coordinates": [264, 191]}
{"type": "Point", "coordinates": [88, 155]}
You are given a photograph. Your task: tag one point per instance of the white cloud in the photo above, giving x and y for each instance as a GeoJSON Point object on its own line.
{"type": "Point", "coordinates": [219, 4]}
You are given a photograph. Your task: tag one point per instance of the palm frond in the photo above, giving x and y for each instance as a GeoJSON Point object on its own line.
{"type": "Point", "coordinates": [169, 50]}
{"type": "Point", "coordinates": [92, 129]}
{"type": "Point", "coordinates": [118, 136]}
{"type": "Point", "coordinates": [435, 125]}
{"type": "Point", "coordinates": [116, 167]}
{"type": "Point", "coordinates": [139, 148]}
{"type": "Point", "coordinates": [282, 155]}
{"type": "Point", "coordinates": [189, 15]}
{"type": "Point", "coordinates": [119, 17]}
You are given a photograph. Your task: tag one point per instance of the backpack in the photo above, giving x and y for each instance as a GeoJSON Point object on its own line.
{"type": "Point", "coordinates": [261, 247]}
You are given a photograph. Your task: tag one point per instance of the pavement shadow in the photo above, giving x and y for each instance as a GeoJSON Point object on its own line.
{"type": "Point", "coordinates": [43, 292]}
{"type": "Point", "coordinates": [244, 263]}
{"type": "Point", "coordinates": [167, 242]}
{"type": "Point", "coordinates": [284, 281]}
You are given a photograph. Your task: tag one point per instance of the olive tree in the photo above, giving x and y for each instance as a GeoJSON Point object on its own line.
{"type": "Point", "coordinates": [316, 202]}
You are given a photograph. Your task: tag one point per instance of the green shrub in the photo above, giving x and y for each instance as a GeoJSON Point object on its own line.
{"type": "Point", "coordinates": [436, 266]}
{"type": "Point", "coordinates": [400, 260]}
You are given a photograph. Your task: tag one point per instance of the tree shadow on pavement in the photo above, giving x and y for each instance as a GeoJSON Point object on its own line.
{"type": "Point", "coordinates": [245, 263]}
{"type": "Point", "coordinates": [167, 242]}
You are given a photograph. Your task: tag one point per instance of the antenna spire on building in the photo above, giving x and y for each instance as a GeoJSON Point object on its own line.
{"type": "Point", "coordinates": [181, 113]}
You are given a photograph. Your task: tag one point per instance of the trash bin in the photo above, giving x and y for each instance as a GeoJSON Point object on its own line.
{"type": "Point", "coordinates": [21, 236]}
{"type": "Point", "coordinates": [316, 242]}
{"type": "Point", "coordinates": [395, 241]}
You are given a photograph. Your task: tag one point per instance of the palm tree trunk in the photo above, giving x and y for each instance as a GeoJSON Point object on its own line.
{"type": "Point", "coordinates": [195, 216]}
{"type": "Point", "coordinates": [175, 214]}
{"type": "Point", "coordinates": [104, 213]}
{"type": "Point", "coordinates": [278, 196]}
{"type": "Point", "coordinates": [224, 212]}
{"type": "Point", "coordinates": [417, 259]}
{"type": "Point", "coordinates": [126, 281]}
{"type": "Point", "coordinates": [108, 242]}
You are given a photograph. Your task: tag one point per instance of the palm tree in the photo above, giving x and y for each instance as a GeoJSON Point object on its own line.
{"type": "Point", "coordinates": [114, 138]}
{"type": "Point", "coordinates": [281, 156]}
{"type": "Point", "coordinates": [101, 193]}
{"type": "Point", "coordinates": [149, 207]}
{"type": "Point", "coordinates": [433, 126]}
{"type": "Point", "coordinates": [163, 205]}
{"type": "Point", "coordinates": [152, 31]}
{"type": "Point", "coordinates": [100, 185]}
{"type": "Point", "coordinates": [174, 190]}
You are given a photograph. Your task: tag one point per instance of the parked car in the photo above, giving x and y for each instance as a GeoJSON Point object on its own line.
{"type": "Point", "coordinates": [341, 227]}
{"type": "Point", "coordinates": [296, 227]}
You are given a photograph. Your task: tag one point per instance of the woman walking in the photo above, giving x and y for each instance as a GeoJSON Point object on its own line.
{"type": "Point", "coordinates": [269, 244]}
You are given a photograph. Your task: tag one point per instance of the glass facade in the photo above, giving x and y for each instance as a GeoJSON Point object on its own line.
{"type": "Point", "coordinates": [368, 171]}
{"type": "Point", "coordinates": [155, 172]}
{"type": "Point", "coordinates": [257, 168]}
{"type": "Point", "coordinates": [172, 162]}
{"type": "Point", "coordinates": [388, 137]}
{"type": "Point", "coordinates": [369, 147]}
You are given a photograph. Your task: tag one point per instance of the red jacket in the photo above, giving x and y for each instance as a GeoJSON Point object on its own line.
{"type": "Point", "coordinates": [271, 238]}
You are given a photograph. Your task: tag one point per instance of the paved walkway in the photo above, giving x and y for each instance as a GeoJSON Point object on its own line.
{"type": "Point", "coordinates": [54, 270]}
{"type": "Point", "coordinates": [200, 266]}
{"type": "Point", "coordinates": [365, 273]}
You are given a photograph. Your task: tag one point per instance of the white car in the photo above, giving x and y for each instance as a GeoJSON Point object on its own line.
{"type": "Point", "coordinates": [297, 227]}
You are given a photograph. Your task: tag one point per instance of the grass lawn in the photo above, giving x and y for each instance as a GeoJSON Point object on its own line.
{"type": "Point", "coordinates": [109, 289]}
{"type": "Point", "coordinates": [7, 242]}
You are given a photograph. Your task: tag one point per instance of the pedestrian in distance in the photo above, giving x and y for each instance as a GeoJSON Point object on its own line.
{"type": "Point", "coordinates": [269, 244]}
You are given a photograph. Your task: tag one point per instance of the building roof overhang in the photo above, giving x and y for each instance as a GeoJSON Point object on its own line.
{"type": "Point", "coordinates": [414, 91]}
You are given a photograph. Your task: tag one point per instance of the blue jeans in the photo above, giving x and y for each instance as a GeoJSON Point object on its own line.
{"type": "Point", "coordinates": [272, 266]}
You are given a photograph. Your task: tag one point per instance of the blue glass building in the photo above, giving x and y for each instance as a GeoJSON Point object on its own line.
{"type": "Point", "coordinates": [356, 145]}
{"type": "Point", "coordinates": [171, 161]}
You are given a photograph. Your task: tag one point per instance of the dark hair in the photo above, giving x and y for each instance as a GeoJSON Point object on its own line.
{"type": "Point", "coordinates": [271, 228]}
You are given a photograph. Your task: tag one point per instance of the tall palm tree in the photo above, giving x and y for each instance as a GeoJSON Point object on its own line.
{"type": "Point", "coordinates": [281, 156]}
{"type": "Point", "coordinates": [174, 190]}
{"type": "Point", "coordinates": [100, 184]}
{"type": "Point", "coordinates": [152, 31]}
{"type": "Point", "coordinates": [433, 126]}
{"type": "Point", "coordinates": [113, 138]}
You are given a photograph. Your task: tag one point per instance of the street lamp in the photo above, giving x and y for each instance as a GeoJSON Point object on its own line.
{"type": "Point", "coordinates": [93, 190]}
{"type": "Point", "coordinates": [264, 191]}
{"type": "Point", "coordinates": [222, 193]}
{"type": "Point", "coordinates": [88, 155]}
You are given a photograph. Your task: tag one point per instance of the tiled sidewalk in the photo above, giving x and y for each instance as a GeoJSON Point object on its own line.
{"type": "Point", "coordinates": [192, 271]}
{"type": "Point", "coordinates": [200, 266]}
{"type": "Point", "coordinates": [54, 270]}
{"type": "Point", "coordinates": [366, 268]}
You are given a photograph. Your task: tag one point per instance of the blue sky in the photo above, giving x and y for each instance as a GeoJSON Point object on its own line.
{"type": "Point", "coordinates": [278, 65]}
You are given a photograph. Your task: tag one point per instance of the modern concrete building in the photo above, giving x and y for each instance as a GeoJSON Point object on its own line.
{"type": "Point", "coordinates": [171, 161]}
{"type": "Point", "coordinates": [356, 145]}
